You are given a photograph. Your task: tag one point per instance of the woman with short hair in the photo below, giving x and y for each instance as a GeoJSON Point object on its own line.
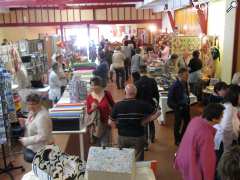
{"type": "Point", "coordinates": [101, 100]}
{"type": "Point", "coordinates": [38, 127]}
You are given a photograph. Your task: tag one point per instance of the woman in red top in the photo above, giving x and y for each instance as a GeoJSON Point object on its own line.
{"type": "Point", "coordinates": [102, 100]}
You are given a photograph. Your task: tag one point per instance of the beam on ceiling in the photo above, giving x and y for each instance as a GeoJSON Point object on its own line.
{"type": "Point", "coordinates": [32, 3]}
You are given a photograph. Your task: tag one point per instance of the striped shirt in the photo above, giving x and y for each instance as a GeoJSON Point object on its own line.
{"type": "Point", "coordinates": [129, 115]}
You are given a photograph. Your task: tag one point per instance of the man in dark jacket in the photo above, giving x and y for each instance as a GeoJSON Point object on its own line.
{"type": "Point", "coordinates": [102, 69]}
{"type": "Point", "coordinates": [178, 100]}
{"type": "Point", "coordinates": [147, 90]}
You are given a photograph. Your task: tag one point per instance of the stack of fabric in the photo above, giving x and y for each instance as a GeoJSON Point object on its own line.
{"type": "Point", "coordinates": [67, 117]}
{"type": "Point", "coordinates": [84, 66]}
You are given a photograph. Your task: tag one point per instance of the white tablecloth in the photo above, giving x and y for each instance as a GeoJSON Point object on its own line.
{"type": "Point", "coordinates": [165, 108]}
{"type": "Point", "coordinates": [142, 173]}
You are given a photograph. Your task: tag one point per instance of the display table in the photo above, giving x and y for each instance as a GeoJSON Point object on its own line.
{"type": "Point", "coordinates": [165, 108]}
{"type": "Point", "coordinates": [142, 173]}
{"type": "Point", "coordinates": [64, 116]}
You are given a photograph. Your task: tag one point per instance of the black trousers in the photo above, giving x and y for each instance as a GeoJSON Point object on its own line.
{"type": "Point", "coordinates": [127, 66]}
{"type": "Point", "coordinates": [120, 77]}
{"type": "Point", "coordinates": [182, 118]}
{"type": "Point", "coordinates": [136, 76]}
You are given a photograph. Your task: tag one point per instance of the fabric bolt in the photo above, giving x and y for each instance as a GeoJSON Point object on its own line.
{"type": "Point", "coordinates": [77, 89]}
{"type": "Point", "coordinates": [51, 163]}
{"type": "Point", "coordinates": [3, 137]}
{"type": "Point", "coordinates": [7, 106]}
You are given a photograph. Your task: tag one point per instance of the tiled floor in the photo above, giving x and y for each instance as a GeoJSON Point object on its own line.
{"type": "Point", "coordinates": [162, 150]}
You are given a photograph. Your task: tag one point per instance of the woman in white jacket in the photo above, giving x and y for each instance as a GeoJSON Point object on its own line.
{"type": "Point", "coordinates": [54, 83]}
{"type": "Point", "coordinates": [228, 128]}
{"type": "Point", "coordinates": [38, 126]}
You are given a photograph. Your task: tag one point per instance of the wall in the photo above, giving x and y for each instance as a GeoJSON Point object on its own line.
{"type": "Point", "coordinates": [166, 23]}
{"type": "Point", "coordinates": [117, 14]}
{"type": "Point", "coordinates": [18, 33]}
{"type": "Point", "coordinates": [187, 21]}
{"type": "Point", "coordinates": [228, 43]}
{"type": "Point", "coordinates": [237, 44]}
{"type": "Point", "coordinates": [216, 28]}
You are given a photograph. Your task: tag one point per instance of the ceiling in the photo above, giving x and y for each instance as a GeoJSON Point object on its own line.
{"type": "Point", "coordinates": [61, 3]}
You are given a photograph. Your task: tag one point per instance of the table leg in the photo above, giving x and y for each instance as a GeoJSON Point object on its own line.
{"type": "Point", "coordinates": [81, 146]}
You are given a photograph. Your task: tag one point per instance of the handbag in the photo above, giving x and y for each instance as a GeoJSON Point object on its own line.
{"type": "Point", "coordinates": [28, 155]}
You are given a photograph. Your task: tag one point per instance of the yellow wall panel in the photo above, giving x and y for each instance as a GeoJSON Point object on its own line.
{"type": "Point", "coordinates": [44, 15]}
{"type": "Point", "coordinates": [19, 16]}
{"type": "Point", "coordinates": [25, 16]}
{"type": "Point", "coordinates": [1, 18]}
{"type": "Point", "coordinates": [25, 32]}
{"type": "Point", "coordinates": [39, 15]}
{"type": "Point", "coordinates": [140, 13]}
{"type": "Point", "coordinates": [121, 13]}
{"type": "Point", "coordinates": [153, 15]}
{"type": "Point", "coordinates": [100, 14]}
{"type": "Point", "coordinates": [187, 21]}
{"type": "Point", "coordinates": [13, 16]}
{"type": "Point", "coordinates": [76, 15]}
{"type": "Point", "coordinates": [114, 14]}
{"type": "Point", "coordinates": [64, 15]}
{"type": "Point", "coordinates": [32, 15]}
{"type": "Point", "coordinates": [159, 15]}
{"type": "Point", "coordinates": [70, 15]}
{"type": "Point", "coordinates": [127, 13]}
{"type": "Point", "coordinates": [146, 14]}
{"type": "Point", "coordinates": [7, 18]}
{"type": "Point", "coordinates": [51, 15]}
{"type": "Point", "coordinates": [86, 15]}
{"type": "Point", "coordinates": [134, 13]}
{"type": "Point", "coordinates": [57, 15]}
{"type": "Point", "coordinates": [109, 12]}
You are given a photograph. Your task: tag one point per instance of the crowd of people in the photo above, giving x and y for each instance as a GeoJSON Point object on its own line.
{"type": "Point", "coordinates": [201, 147]}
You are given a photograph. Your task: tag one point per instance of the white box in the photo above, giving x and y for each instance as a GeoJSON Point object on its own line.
{"type": "Point", "coordinates": [111, 164]}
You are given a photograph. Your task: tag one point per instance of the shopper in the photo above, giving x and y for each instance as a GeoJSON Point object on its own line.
{"type": "Point", "coordinates": [61, 73]}
{"type": "Point", "coordinates": [165, 50]}
{"type": "Point", "coordinates": [220, 90]}
{"type": "Point", "coordinates": [229, 166]}
{"type": "Point", "coordinates": [228, 128]}
{"type": "Point", "coordinates": [236, 78]}
{"type": "Point", "coordinates": [108, 54]}
{"type": "Point", "coordinates": [178, 100]}
{"type": "Point", "coordinates": [127, 51]}
{"type": "Point", "coordinates": [118, 65]}
{"type": "Point", "coordinates": [100, 99]}
{"type": "Point", "coordinates": [196, 158]}
{"type": "Point", "coordinates": [136, 62]}
{"type": "Point", "coordinates": [102, 68]}
{"type": "Point", "coordinates": [54, 83]}
{"type": "Point", "coordinates": [92, 51]}
{"type": "Point", "coordinates": [171, 64]}
{"type": "Point", "coordinates": [195, 67]}
{"type": "Point", "coordinates": [129, 116]}
{"type": "Point", "coordinates": [183, 61]}
{"type": "Point", "coordinates": [38, 128]}
{"type": "Point", "coordinates": [147, 91]}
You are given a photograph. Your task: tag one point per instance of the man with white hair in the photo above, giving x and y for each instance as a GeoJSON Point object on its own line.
{"type": "Point", "coordinates": [129, 116]}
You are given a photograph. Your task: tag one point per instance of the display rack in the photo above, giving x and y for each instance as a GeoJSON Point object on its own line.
{"type": "Point", "coordinates": [6, 108]}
